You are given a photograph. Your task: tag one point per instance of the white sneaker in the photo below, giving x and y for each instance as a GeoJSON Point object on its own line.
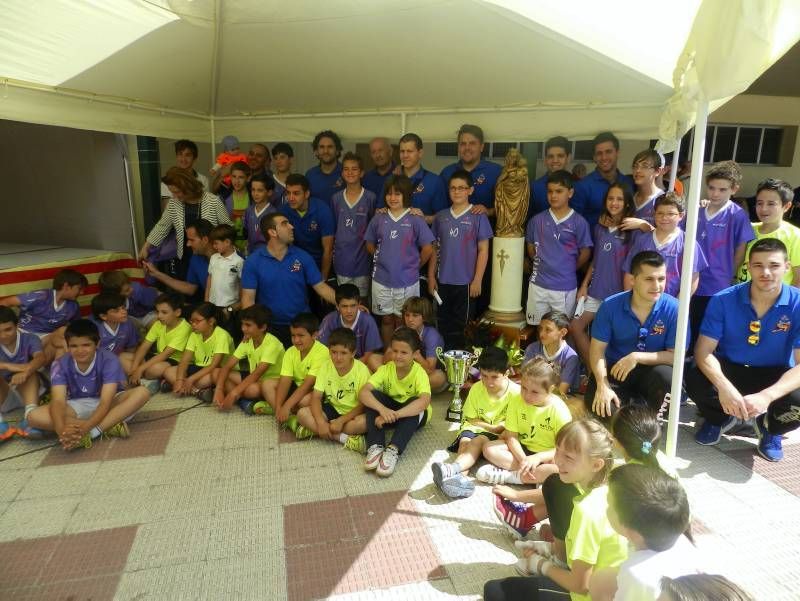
{"type": "Point", "coordinates": [523, 566]}
{"type": "Point", "coordinates": [540, 547]}
{"type": "Point", "coordinates": [373, 457]}
{"type": "Point", "coordinates": [491, 474]}
{"type": "Point", "coordinates": [387, 462]}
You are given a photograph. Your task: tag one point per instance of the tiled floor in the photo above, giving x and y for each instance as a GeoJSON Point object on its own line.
{"type": "Point", "coordinates": [209, 506]}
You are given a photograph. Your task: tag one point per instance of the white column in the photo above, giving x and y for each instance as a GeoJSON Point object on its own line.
{"type": "Point", "coordinates": [508, 255]}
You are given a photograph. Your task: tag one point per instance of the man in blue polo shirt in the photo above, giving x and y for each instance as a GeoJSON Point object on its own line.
{"type": "Point", "coordinates": [556, 158]}
{"type": "Point", "coordinates": [380, 151]}
{"type": "Point", "coordinates": [428, 194]}
{"type": "Point", "coordinates": [590, 191]}
{"type": "Point", "coordinates": [312, 220]}
{"type": "Point", "coordinates": [197, 273]}
{"type": "Point", "coordinates": [747, 357]}
{"type": "Point", "coordinates": [484, 173]}
{"type": "Point", "coordinates": [633, 334]}
{"type": "Point", "coordinates": [278, 275]}
{"type": "Point", "coordinates": [325, 179]}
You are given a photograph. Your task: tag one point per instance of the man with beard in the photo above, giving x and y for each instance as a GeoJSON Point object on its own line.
{"type": "Point", "coordinates": [484, 173]}
{"type": "Point", "coordinates": [326, 178]}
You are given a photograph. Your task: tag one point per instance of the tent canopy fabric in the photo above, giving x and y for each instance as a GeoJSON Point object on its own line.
{"type": "Point", "coordinates": [284, 70]}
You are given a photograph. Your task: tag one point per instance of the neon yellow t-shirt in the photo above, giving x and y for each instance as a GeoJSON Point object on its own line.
{"type": "Point", "coordinates": [341, 392]}
{"type": "Point", "coordinates": [176, 338]}
{"type": "Point", "coordinates": [786, 233]}
{"type": "Point", "coordinates": [479, 405]}
{"type": "Point", "coordinates": [401, 390]}
{"type": "Point", "coordinates": [269, 351]}
{"type": "Point", "coordinates": [298, 368]}
{"type": "Point", "coordinates": [536, 427]}
{"type": "Point", "coordinates": [220, 342]}
{"type": "Point", "coordinates": [591, 538]}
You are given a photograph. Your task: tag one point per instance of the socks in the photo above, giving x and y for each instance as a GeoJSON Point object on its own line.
{"type": "Point", "coordinates": [95, 432]}
{"type": "Point", "coordinates": [513, 478]}
{"type": "Point", "coordinates": [28, 409]}
{"type": "Point", "coordinates": [451, 469]}
{"type": "Point", "coordinates": [343, 438]}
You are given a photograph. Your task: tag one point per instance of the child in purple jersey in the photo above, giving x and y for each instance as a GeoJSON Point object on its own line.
{"type": "Point", "coordinates": [46, 312]}
{"type": "Point", "coordinates": [418, 315]}
{"type": "Point", "coordinates": [21, 357]}
{"type": "Point", "coordinates": [463, 244]}
{"type": "Point", "coordinates": [400, 242]}
{"type": "Point", "coordinates": [118, 335]}
{"type": "Point", "coordinates": [348, 315]}
{"type": "Point", "coordinates": [88, 392]}
{"type": "Point", "coordinates": [559, 243]}
{"type": "Point", "coordinates": [723, 231]}
{"type": "Point", "coordinates": [261, 187]}
{"type": "Point", "coordinates": [668, 240]}
{"type": "Point", "coordinates": [554, 349]}
{"type": "Point", "coordinates": [604, 276]}
{"type": "Point", "coordinates": [282, 167]}
{"type": "Point", "coordinates": [648, 165]}
{"type": "Point", "coordinates": [353, 208]}
{"type": "Point", "coordinates": [140, 300]}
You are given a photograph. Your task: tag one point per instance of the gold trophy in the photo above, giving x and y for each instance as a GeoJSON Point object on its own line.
{"type": "Point", "coordinates": [456, 366]}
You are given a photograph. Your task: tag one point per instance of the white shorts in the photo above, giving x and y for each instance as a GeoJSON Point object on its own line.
{"type": "Point", "coordinates": [84, 408]}
{"type": "Point", "coordinates": [360, 281]}
{"type": "Point", "coordinates": [389, 301]}
{"type": "Point", "coordinates": [541, 301]}
{"type": "Point", "coordinates": [12, 401]}
{"type": "Point", "coordinates": [592, 304]}
{"type": "Point", "coordinates": [41, 335]}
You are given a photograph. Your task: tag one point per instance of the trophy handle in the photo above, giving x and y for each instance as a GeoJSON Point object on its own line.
{"type": "Point", "coordinates": [440, 354]}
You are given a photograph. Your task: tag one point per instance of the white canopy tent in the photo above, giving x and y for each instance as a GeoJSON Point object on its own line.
{"type": "Point", "coordinates": [285, 70]}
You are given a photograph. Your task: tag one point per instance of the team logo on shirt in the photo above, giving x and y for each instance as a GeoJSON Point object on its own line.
{"type": "Point", "coordinates": [481, 178]}
{"type": "Point", "coordinates": [339, 183]}
{"type": "Point", "coordinates": [313, 226]}
{"type": "Point", "coordinates": [295, 266]}
{"type": "Point", "coordinates": [393, 234]}
{"type": "Point", "coordinates": [454, 232]}
{"type": "Point", "coordinates": [607, 246]}
{"type": "Point", "coordinates": [658, 328]}
{"type": "Point", "coordinates": [546, 425]}
{"type": "Point", "coordinates": [348, 222]}
{"type": "Point", "coordinates": [420, 188]}
{"type": "Point", "coordinates": [783, 325]}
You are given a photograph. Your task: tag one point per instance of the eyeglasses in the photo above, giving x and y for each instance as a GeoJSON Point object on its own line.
{"type": "Point", "coordinates": [459, 188]}
{"type": "Point", "coordinates": [755, 332]}
{"type": "Point", "coordinates": [641, 344]}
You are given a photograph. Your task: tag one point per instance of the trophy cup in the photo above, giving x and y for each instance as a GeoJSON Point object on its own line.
{"type": "Point", "coordinates": [456, 365]}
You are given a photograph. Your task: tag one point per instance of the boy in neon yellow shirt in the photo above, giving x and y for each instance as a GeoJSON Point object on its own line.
{"type": "Point", "coordinates": [169, 333]}
{"type": "Point", "coordinates": [299, 370]}
{"type": "Point", "coordinates": [482, 421]}
{"type": "Point", "coordinates": [264, 354]}
{"type": "Point", "coordinates": [773, 199]}
{"type": "Point", "coordinates": [335, 413]}
{"type": "Point", "coordinates": [397, 395]}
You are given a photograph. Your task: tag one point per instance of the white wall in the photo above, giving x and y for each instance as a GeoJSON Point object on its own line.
{"type": "Point", "coordinates": [62, 187]}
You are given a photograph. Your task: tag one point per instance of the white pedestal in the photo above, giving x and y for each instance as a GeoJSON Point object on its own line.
{"type": "Point", "coordinates": [508, 255]}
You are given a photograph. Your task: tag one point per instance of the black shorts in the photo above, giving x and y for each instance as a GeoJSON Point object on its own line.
{"type": "Point", "coordinates": [193, 369]}
{"type": "Point", "coordinates": [169, 360]}
{"type": "Point", "coordinates": [469, 434]}
{"type": "Point", "coordinates": [330, 412]}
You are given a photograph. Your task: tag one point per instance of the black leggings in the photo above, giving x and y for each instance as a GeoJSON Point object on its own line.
{"type": "Point", "coordinates": [404, 427]}
{"type": "Point", "coordinates": [524, 588]}
{"type": "Point", "coordinates": [558, 498]}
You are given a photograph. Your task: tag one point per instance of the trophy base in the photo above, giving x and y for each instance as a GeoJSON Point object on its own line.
{"type": "Point", "coordinates": [453, 415]}
{"type": "Point", "coordinates": [511, 326]}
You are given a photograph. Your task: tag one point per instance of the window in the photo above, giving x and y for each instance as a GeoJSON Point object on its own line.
{"type": "Point", "coordinates": [583, 150]}
{"type": "Point", "coordinates": [499, 149]}
{"type": "Point", "coordinates": [490, 149]}
{"type": "Point", "coordinates": [746, 144]}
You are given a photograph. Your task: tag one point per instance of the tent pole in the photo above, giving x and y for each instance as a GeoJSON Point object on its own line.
{"type": "Point", "coordinates": [126, 167]}
{"type": "Point", "coordinates": [673, 172]}
{"type": "Point", "coordinates": [402, 124]}
{"type": "Point", "coordinates": [693, 210]}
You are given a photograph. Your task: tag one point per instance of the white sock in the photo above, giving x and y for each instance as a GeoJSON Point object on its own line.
{"type": "Point", "coordinates": [343, 437]}
{"type": "Point", "coordinates": [28, 409]}
{"type": "Point", "coordinates": [513, 478]}
{"type": "Point", "coordinates": [95, 432]}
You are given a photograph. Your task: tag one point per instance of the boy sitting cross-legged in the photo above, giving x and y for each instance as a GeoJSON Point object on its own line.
{"type": "Point", "coordinates": [482, 421]}
{"type": "Point", "coordinates": [264, 354]}
{"type": "Point", "coordinates": [335, 412]}
{"type": "Point", "coordinates": [88, 392]}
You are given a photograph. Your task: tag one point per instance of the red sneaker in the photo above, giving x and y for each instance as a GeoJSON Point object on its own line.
{"type": "Point", "coordinates": [518, 518]}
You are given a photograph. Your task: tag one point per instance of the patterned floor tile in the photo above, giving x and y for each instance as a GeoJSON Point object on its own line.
{"type": "Point", "coordinates": [168, 543]}
{"type": "Point", "coordinates": [183, 582]}
{"type": "Point", "coordinates": [34, 518]}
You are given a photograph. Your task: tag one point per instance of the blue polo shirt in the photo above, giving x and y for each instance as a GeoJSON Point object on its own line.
{"type": "Point", "coordinates": [325, 186]}
{"type": "Point", "coordinates": [617, 325]}
{"type": "Point", "coordinates": [281, 286]}
{"type": "Point", "coordinates": [590, 194]}
{"type": "Point", "coordinates": [429, 195]}
{"type": "Point", "coordinates": [728, 318]}
{"type": "Point", "coordinates": [374, 181]}
{"type": "Point", "coordinates": [484, 178]}
{"type": "Point", "coordinates": [538, 201]}
{"type": "Point", "coordinates": [310, 228]}
{"type": "Point", "coordinates": [197, 273]}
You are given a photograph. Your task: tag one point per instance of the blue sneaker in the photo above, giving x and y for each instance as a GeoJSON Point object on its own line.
{"type": "Point", "coordinates": [710, 434]}
{"type": "Point", "coordinates": [6, 431]}
{"type": "Point", "coordinates": [25, 430]}
{"type": "Point", "coordinates": [246, 405]}
{"type": "Point", "coordinates": [770, 446]}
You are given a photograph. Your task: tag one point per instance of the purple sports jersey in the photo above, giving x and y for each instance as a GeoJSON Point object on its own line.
{"type": "Point", "coordinates": [368, 339]}
{"type": "Point", "coordinates": [350, 256]}
{"type": "Point", "coordinates": [142, 300]}
{"type": "Point", "coordinates": [610, 249]}
{"type": "Point", "coordinates": [23, 350]}
{"type": "Point", "coordinates": [458, 239]}
{"type": "Point", "coordinates": [431, 340]}
{"type": "Point", "coordinates": [123, 338]}
{"type": "Point", "coordinates": [397, 244]}
{"type": "Point", "coordinates": [648, 210]}
{"type": "Point", "coordinates": [672, 252]}
{"type": "Point", "coordinates": [38, 311]}
{"type": "Point", "coordinates": [718, 237]}
{"type": "Point", "coordinates": [251, 224]}
{"type": "Point", "coordinates": [104, 369]}
{"type": "Point", "coordinates": [558, 244]}
{"type": "Point", "coordinates": [565, 359]}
